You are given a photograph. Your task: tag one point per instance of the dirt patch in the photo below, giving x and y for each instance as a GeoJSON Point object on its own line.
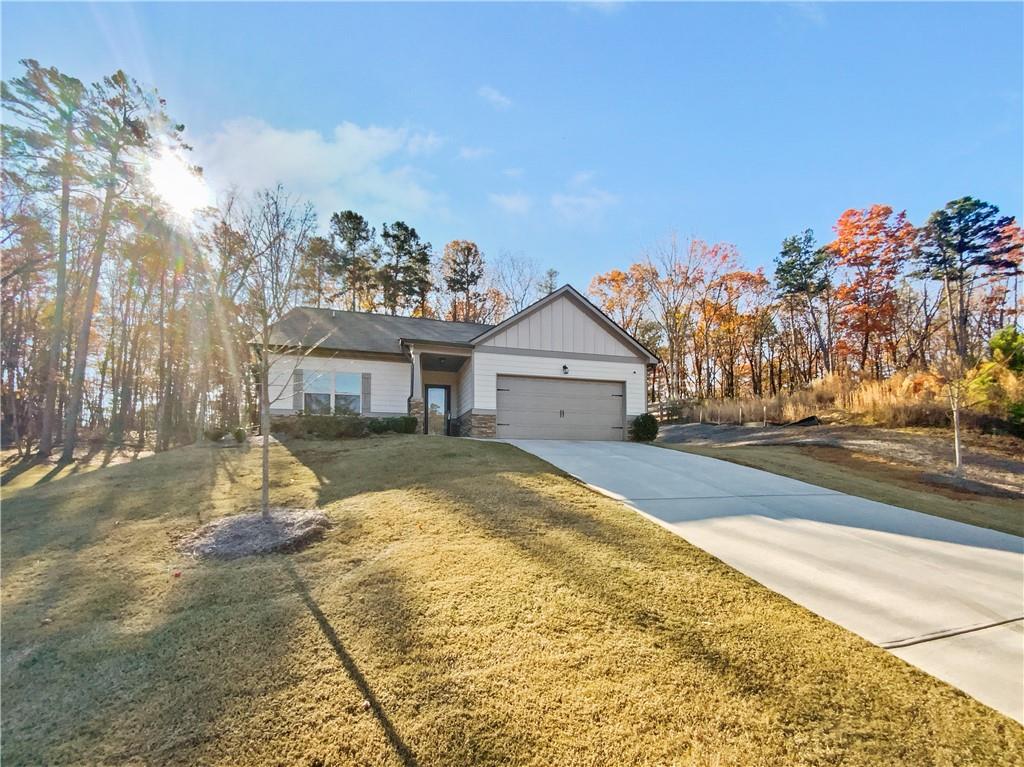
{"type": "Point", "coordinates": [991, 465]}
{"type": "Point", "coordinates": [248, 534]}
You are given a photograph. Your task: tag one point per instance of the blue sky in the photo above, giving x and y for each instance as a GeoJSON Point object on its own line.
{"type": "Point", "coordinates": [576, 135]}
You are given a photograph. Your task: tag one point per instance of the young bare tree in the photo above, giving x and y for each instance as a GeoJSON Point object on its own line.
{"type": "Point", "coordinates": [276, 230]}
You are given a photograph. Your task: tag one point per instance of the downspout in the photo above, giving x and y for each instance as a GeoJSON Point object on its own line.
{"type": "Point", "coordinates": [412, 371]}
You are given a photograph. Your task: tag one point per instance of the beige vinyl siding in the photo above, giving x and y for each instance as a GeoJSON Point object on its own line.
{"type": "Point", "coordinates": [389, 381]}
{"type": "Point", "coordinates": [463, 394]}
{"type": "Point", "coordinates": [442, 378]}
{"type": "Point", "coordinates": [487, 367]}
{"type": "Point", "coordinates": [561, 326]}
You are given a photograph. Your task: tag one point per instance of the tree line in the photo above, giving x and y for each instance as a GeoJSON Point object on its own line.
{"type": "Point", "coordinates": [126, 322]}
{"type": "Point", "coordinates": [396, 272]}
{"type": "Point", "coordinates": [881, 296]}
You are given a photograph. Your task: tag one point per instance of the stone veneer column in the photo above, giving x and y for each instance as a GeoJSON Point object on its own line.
{"type": "Point", "coordinates": [416, 408]}
{"type": "Point", "coordinates": [483, 425]}
{"type": "Point", "coordinates": [471, 424]}
{"type": "Point", "coordinates": [417, 411]}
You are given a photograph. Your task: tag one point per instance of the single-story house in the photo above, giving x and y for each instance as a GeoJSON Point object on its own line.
{"type": "Point", "coordinates": [559, 369]}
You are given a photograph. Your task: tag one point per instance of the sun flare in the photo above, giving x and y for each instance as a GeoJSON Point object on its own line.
{"type": "Point", "coordinates": [177, 185]}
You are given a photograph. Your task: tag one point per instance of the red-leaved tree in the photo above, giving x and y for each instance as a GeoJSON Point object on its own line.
{"type": "Point", "coordinates": [872, 244]}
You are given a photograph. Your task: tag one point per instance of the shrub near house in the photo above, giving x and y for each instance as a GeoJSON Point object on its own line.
{"type": "Point", "coordinates": [339, 426]}
{"type": "Point", "coordinates": [644, 428]}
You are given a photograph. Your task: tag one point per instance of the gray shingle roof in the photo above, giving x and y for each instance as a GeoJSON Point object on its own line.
{"type": "Point", "coordinates": [364, 332]}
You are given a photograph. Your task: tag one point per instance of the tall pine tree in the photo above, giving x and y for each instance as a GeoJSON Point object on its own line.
{"type": "Point", "coordinates": [462, 267]}
{"type": "Point", "coordinates": [355, 259]}
{"type": "Point", "coordinates": [404, 270]}
{"type": "Point", "coordinates": [959, 244]}
{"type": "Point", "coordinates": [41, 154]}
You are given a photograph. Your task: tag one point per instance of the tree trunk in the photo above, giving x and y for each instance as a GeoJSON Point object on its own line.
{"type": "Point", "coordinates": [265, 423]}
{"type": "Point", "coordinates": [167, 399]}
{"type": "Point", "coordinates": [104, 369]}
{"type": "Point", "coordinates": [57, 332]}
{"type": "Point", "coordinates": [954, 401]}
{"type": "Point", "coordinates": [161, 364]}
{"type": "Point", "coordinates": [82, 345]}
{"type": "Point", "coordinates": [826, 362]}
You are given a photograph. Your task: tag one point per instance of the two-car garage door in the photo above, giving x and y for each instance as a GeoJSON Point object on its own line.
{"type": "Point", "coordinates": [560, 408]}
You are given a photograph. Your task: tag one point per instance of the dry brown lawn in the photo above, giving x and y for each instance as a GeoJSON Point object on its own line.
{"type": "Point", "coordinates": [469, 605]}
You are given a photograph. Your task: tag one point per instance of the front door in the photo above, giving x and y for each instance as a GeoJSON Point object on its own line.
{"type": "Point", "coordinates": [438, 409]}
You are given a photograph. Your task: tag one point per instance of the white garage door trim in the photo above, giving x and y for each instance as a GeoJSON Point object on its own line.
{"type": "Point", "coordinates": [538, 407]}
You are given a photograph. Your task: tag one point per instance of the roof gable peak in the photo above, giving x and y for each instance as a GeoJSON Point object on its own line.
{"type": "Point", "coordinates": [577, 298]}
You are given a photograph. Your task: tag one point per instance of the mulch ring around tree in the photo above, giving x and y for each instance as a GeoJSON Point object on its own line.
{"type": "Point", "coordinates": [244, 535]}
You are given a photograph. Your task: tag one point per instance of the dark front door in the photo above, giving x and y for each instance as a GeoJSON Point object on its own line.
{"type": "Point", "coordinates": [438, 409]}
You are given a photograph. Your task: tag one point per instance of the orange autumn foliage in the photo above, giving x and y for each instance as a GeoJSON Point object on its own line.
{"type": "Point", "coordinates": [622, 295]}
{"type": "Point", "coordinates": [873, 244]}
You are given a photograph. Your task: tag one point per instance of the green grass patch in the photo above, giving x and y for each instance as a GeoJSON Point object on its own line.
{"type": "Point", "coordinates": [469, 605]}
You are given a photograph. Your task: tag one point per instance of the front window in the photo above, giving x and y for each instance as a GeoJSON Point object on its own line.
{"type": "Point", "coordinates": [317, 393]}
{"type": "Point", "coordinates": [347, 393]}
{"type": "Point", "coordinates": [323, 393]}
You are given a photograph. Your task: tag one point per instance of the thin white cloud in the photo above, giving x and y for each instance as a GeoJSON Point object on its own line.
{"type": "Point", "coordinates": [424, 143]}
{"type": "Point", "coordinates": [808, 11]}
{"type": "Point", "coordinates": [494, 97]}
{"type": "Point", "coordinates": [581, 178]}
{"type": "Point", "coordinates": [474, 152]}
{"type": "Point", "coordinates": [515, 203]}
{"type": "Point", "coordinates": [364, 168]}
{"type": "Point", "coordinates": [513, 172]}
{"type": "Point", "coordinates": [603, 7]}
{"type": "Point", "coordinates": [583, 201]}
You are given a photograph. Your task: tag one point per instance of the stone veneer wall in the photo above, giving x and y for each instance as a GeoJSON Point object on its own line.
{"type": "Point", "coordinates": [417, 411]}
{"type": "Point", "coordinates": [471, 424]}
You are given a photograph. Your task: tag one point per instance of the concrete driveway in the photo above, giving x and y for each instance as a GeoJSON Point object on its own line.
{"type": "Point", "coordinates": [945, 596]}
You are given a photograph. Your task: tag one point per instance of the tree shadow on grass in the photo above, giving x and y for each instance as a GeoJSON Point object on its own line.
{"type": "Point", "coordinates": [84, 459]}
{"type": "Point", "coordinates": [121, 674]}
{"type": "Point", "coordinates": [73, 512]}
{"type": "Point", "coordinates": [18, 467]}
{"type": "Point", "coordinates": [344, 468]}
{"type": "Point", "coordinates": [99, 624]}
{"type": "Point", "coordinates": [478, 477]}
{"type": "Point", "coordinates": [750, 644]}
{"type": "Point", "coordinates": [401, 749]}
{"type": "Point", "coordinates": [576, 544]}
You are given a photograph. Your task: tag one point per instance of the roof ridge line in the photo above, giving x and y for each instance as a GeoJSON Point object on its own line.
{"type": "Point", "coordinates": [393, 316]}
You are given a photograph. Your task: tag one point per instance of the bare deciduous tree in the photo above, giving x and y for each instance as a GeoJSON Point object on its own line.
{"type": "Point", "coordinates": [516, 276]}
{"type": "Point", "coordinates": [276, 230]}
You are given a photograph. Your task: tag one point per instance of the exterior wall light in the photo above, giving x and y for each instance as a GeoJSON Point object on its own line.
{"type": "Point", "coordinates": [565, 370]}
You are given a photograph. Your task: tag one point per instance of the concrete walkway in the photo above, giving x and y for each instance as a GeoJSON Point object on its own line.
{"type": "Point", "coordinates": [945, 596]}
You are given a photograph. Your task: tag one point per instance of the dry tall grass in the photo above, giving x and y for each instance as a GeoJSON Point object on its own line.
{"type": "Point", "coordinates": [905, 399]}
